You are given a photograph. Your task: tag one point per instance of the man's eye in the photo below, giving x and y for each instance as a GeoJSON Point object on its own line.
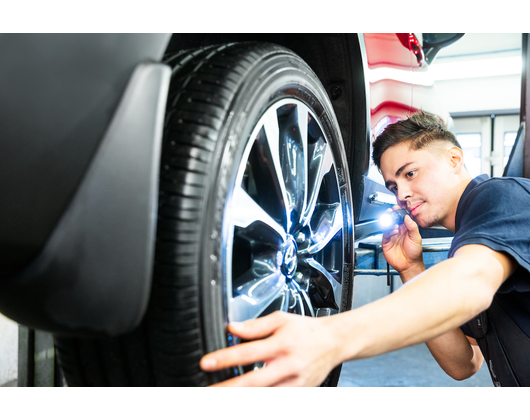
{"type": "Point", "coordinates": [410, 174]}
{"type": "Point", "coordinates": [394, 189]}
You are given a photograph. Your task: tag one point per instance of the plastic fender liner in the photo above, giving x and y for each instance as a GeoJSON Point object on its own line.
{"type": "Point", "coordinates": [58, 95]}
{"type": "Point", "coordinates": [94, 273]}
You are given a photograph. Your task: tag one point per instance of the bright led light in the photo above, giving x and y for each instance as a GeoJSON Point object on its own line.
{"type": "Point", "coordinates": [386, 220]}
{"type": "Point", "coordinates": [389, 219]}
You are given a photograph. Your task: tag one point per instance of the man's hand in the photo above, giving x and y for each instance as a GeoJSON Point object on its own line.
{"type": "Point", "coordinates": [403, 249]}
{"type": "Point", "coordinates": [298, 351]}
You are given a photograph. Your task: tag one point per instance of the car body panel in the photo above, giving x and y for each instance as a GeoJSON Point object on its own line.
{"type": "Point", "coordinates": [58, 95]}
{"type": "Point", "coordinates": [81, 127]}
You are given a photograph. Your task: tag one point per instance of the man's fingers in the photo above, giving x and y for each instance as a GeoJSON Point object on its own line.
{"type": "Point", "coordinates": [266, 376]}
{"type": "Point", "coordinates": [388, 235]}
{"type": "Point", "coordinates": [409, 221]}
{"type": "Point", "coordinates": [242, 354]}
{"type": "Point", "coordinates": [258, 328]}
{"type": "Point", "coordinates": [247, 353]}
{"type": "Point", "coordinates": [411, 225]}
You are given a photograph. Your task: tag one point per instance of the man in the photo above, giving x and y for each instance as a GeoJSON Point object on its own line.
{"type": "Point", "coordinates": [422, 164]}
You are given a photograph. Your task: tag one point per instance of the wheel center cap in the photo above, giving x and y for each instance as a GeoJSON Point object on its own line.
{"type": "Point", "coordinates": [290, 258]}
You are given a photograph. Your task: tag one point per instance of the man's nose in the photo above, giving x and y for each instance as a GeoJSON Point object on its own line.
{"type": "Point", "coordinates": [404, 193]}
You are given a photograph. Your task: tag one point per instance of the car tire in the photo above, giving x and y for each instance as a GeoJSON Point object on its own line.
{"type": "Point", "coordinates": [254, 216]}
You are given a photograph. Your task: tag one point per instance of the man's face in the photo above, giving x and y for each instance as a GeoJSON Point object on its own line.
{"type": "Point", "coordinates": [423, 181]}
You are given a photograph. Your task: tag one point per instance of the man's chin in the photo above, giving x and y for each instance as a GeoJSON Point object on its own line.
{"type": "Point", "coordinates": [435, 224]}
{"type": "Point", "coordinates": [425, 224]}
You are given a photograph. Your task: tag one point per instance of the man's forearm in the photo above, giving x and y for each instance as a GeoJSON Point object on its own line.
{"type": "Point", "coordinates": [438, 300]}
{"type": "Point", "coordinates": [452, 350]}
{"type": "Point", "coordinates": [455, 354]}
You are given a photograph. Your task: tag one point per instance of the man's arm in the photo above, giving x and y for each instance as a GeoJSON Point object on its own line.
{"type": "Point", "coordinates": [302, 351]}
{"type": "Point", "coordinates": [458, 355]}
{"type": "Point", "coordinates": [439, 300]}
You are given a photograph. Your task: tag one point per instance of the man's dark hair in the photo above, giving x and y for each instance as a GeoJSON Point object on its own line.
{"type": "Point", "coordinates": [420, 129]}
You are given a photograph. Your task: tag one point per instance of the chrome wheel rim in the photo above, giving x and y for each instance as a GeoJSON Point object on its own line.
{"type": "Point", "coordinates": [283, 246]}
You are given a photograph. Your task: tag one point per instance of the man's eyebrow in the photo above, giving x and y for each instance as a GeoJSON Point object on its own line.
{"type": "Point", "coordinates": [398, 172]}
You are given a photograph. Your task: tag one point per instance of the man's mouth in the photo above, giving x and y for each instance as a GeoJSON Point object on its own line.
{"type": "Point", "coordinates": [414, 209]}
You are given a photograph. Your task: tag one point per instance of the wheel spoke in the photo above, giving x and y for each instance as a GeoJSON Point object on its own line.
{"type": "Point", "coordinates": [293, 162]}
{"type": "Point", "coordinates": [256, 293]}
{"type": "Point", "coordinates": [306, 298]}
{"type": "Point", "coordinates": [245, 211]}
{"type": "Point", "coordinates": [320, 164]}
{"type": "Point", "coordinates": [329, 223]}
{"type": "Point", "coordinates": [325, 281]}
{"type": "Point", "coordinates": [272, 133]}
{"type": "Point", "coordinates": [280, 303]}
{"type": "Point", "coordinates": [303, 121]}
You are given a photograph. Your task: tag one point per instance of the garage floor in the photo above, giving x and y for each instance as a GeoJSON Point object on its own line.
{"type": "Point", "coordinates": [410, 367]}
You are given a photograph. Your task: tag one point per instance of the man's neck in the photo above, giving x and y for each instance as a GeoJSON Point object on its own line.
{"type": "Point", "coordinates": [450, 220]}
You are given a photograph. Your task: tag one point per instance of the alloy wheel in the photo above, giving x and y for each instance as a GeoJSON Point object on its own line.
{"type": "Point", "coordinates": [283, 232]}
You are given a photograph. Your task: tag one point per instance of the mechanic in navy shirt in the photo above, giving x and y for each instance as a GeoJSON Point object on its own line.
{"type": "Point", "coordinates": [484, 285]}
{"type": "Point", "coordinates": [496, 213]}
{"type": "Point", "coordinates": [492, 213]}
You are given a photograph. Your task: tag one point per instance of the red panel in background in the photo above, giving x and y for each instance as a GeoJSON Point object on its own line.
{"type": "Point", "coordinates": [399, 79]}
{"type": "Point", "coordinates": [390, 63]}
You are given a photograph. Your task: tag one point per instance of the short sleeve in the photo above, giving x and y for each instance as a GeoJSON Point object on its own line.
{"type": "Point", "coordinates": [467, 330]}
{"type": "Point", "coordinates": [496, 213]}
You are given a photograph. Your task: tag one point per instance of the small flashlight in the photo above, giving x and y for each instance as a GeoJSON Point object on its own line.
{"type": "Point", "coordinates": [388, 220]}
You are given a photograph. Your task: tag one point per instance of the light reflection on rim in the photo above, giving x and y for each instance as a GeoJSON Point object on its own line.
{"type": "Point", "coordinates": [286, 191]}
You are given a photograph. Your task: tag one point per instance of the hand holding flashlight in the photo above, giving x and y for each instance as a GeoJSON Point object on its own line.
{"type": "Point", "coordinates": [402, 247]}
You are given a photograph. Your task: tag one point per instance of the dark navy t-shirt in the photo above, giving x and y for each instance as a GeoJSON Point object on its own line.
{"type": "Point", "coordinates": [496, 212]}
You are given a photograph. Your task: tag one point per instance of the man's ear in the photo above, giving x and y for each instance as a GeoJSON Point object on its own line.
{"type": "Point", "coordinates": [456, 158]}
